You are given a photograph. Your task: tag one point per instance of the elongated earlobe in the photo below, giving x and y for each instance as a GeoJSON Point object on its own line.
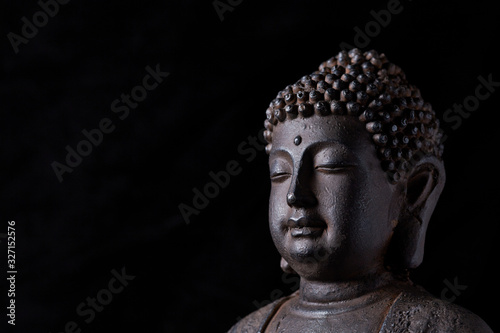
{"type": "Point", "coordinates": [406, 248]}
{"type": "Point", "coordinates": [286, 267]}
{"type": "Point", "coordinates": [423, 188]}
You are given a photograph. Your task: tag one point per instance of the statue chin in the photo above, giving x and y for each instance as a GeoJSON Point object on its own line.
{"type": "Point", "coordinates": [356, 170]}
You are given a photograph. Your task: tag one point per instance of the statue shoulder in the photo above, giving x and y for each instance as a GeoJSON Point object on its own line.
{"type": "Point", "coordinates": [253, 322]}
{"type": "Point", "coordinates": [415, 310]}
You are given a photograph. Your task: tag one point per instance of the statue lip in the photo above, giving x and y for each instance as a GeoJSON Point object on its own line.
{"type": "Point", "coordinates": [305, 227]}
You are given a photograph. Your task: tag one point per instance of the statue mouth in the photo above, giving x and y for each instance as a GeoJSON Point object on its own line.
{"type": "Point", "coordinates": [306, 232]}
{"type": "Point", "coordinates": [305, 227]}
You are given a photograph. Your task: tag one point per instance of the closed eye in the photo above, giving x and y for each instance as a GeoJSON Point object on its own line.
{"type": "Point", "coordinates": [333, 168]}
{"type": "Point", "coordinates": [279, 176]}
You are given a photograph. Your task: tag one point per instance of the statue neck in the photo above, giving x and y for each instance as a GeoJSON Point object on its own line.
{"type": "Point", "coordinates": [320, 292]}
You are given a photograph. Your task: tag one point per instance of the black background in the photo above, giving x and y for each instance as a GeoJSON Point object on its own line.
{"type": "Point", "coordinates": [119, 207]}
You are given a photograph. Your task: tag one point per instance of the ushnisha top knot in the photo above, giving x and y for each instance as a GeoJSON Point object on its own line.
{"type": "Point", "coordinates": [365, 85]}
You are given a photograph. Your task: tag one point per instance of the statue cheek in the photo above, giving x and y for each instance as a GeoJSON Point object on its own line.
{"type": "Point", "coordinates": [336, 201]}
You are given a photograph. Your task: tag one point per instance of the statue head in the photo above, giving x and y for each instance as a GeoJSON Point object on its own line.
{"type": "Point", "coordinates": [356, 169]}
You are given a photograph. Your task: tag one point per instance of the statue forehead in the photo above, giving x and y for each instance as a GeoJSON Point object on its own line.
{"type": "Point", "coordinates": [301, 132]}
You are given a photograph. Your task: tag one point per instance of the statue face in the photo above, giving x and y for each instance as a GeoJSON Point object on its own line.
{"type": "Point", "coordinates": [332, 209]}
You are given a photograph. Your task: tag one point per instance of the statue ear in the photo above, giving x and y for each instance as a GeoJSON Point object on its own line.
{"type": "Point", "coordinates": [422, 190]}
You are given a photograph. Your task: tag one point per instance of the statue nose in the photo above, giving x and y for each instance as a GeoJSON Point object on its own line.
{"type": "Point", "coordinates": [301, 198]}
{"type": "Point", "coordinates": [300, 193]}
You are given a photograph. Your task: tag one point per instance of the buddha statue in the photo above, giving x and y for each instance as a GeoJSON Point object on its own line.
{"type": "Point", "coordinates": [356, 170]}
